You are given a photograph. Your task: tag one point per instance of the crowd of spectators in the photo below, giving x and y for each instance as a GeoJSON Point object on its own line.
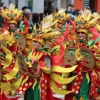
{"type": "Point", "coordinates": [36, 18]}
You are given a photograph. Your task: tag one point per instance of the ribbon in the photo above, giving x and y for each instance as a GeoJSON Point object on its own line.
{"type": "Point", "coordinates": [6, 25]}
{"type": "Point", "coordinates": [63, 70]}
{"type": "Point", "coordinates": [34, 84]}
{"type": "Point", "coordinates": [60, 79]}
{"type": "Point", "coordinates": [8, 57]}
{"type": "Point", "coordinates": [26, 23]}
{"type": "Point", "coordinates": [55, 89]}
{"type": "Point", "coordinates": [95, 33]}
{"type": "Point", "coordinates": [13, 73]}
{"type": "Point", "coordinates": [91, 43]}
{"type": "Point", "coordinates": [87, 76]}
{"type": "Point", "coordinates": [56, 59]}
{"type": "Point", "coordinates": [66, 34]}
{"type": "Point", "coordinates": [25, 79]}
{"type": "Point", "coordinates": [10, 87]}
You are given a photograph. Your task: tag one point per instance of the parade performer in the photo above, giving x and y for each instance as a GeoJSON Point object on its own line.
{"type": "Point", "coordinates": [82, 50]}
{"type": "Point", "coordinates": [14, 45]}
{"type": "Point", "coordinates": [44, 57]}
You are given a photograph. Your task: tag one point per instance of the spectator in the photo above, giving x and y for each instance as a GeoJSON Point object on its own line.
{"type": "Point", "coordinates": [41, 16]}
{"type": "Point", "coordinates": [71, 8]}
{"type": "Point", "coordinates": [45, 10]}
{"type": "Point", "coordinates": [1, 18]}
{"type": "Point", "coordinates": [50, 8]}
{"type": "Point", "coordinates": [93, 11]}
{"type": "Point", "coordinates": [5, 7]}
{"type": "Point", "coordinates": [30, 21]}
{"type": "Point", "coordinates": [57, 9]}
{"type": "Point", "coordinates": [76, 12]}
{"type": "Point", "coordinates": [27, 13]}
{"type": "Point", "coordinates": [87, 7]}
{"type": "Point", "coordinates": [36, 19]}
{"type": "Point", "coordinates": [24, 8]}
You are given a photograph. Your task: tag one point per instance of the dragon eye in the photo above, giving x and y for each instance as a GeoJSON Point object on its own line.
{"type": "Point", "coordinates": [17, 36]}
{"type": "Point", "coordinates": [72, 52]}
{"type": "Point", "coordinates": [86, 55]}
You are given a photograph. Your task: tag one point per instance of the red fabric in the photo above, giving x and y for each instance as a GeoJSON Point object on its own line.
{"type": "Point", "coordinates": [93, 91]}
{"type": "Point", "coordinates": [57, 60]}
{"type": "Point", "coordinates": [57, 98]}
{"type": "Point", "coordinates": [3, 97]}
{"type": "Point", "coordinates": [66, 33]}
{"type": "Point", "coordinates": [69, 96]}
{"type": "Point", "coordinates": [26, 22]}
{"type": "Point", "coordinates": [26, 85]}
{"type": "Point", "coordinates": [46, 92]}
{"type": "Point", "coordinates": [26, 25]}
{"type": "Point", "coordinates": [95, 33]}
{"type": "Point", "coordinates": [6, 25]}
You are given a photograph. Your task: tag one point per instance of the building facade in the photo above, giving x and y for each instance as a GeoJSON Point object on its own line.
{"type": "Point", "coordinates": [38, 5]}
{"type": "Point", "coordinates": [93, 4]}
{"type": "Point", "coordinates": [34, 5]}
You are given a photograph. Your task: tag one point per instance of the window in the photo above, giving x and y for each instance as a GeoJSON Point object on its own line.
{"type": "Point", "coordinates": [14, 1]}
{"type": "Point", "coordinates": [30, 4]}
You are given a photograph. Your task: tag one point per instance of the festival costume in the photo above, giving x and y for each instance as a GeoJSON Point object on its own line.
{"type": "Point", "coordinates": [13, 48]}
{"type": "Point", "coordinates": [84, 54]}
{"type": "Point", "coordinates": [51, 41]}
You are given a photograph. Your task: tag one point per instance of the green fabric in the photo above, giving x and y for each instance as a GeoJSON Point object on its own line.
{"type": "Point", "coordinates": [84, 90]}
{"type": "Point", "coordinates": [99, 91]}
{"type": "Point", "coordinates": [90, 43]}
{"type": "Point", "coordinates": [63, 29]}
{"type": "Point", "coordinates": [31, 94]}
{"type": "Point", "coordinates": [16, 75]}
{"type": "Point", "coordinates": [22, 27]}
{"type": "Point", "coordinates": [27, 60]}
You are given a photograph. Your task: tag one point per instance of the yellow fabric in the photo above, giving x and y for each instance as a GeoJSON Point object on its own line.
{"type": "Point", "coordinates": [12, 22]}
{"type": "Point", "coordinates": [34, 84]}
{"type": "Point", "coordinates": [51, 34]}
{"type": "Point", "coordinates": [55, 89]}
{"type": "Point", "coordinates": [63, 70]}
{"type": "Point", "coordinates": [65, 74]}
{"type": "Point", "coordinates": [78, 55]}
{"type": "Point", "coordinates": [29, 64]}
{"type": "Point", "coordinates": [83, 30]}
{"type": "Point", "coordinates": [57, 47]}
{"type": "Point", "coordinates": [60, 79]}
{"type": "Point", "coordinates": [46, 70]}
{"type": "Point", "coordinates": [17, 15]}
{"type": "Point", "coordinates": [39, 40]}
{"type": "Point", "coordinates": [87, 76]}
{"type": "Point", "coordinates": [10, 87]}
{"type": "Point", "coordinates": [74, 98]}
{"type": "Point", "coordinates": [81, 98]}
{"type": "Point", "coordinates": [24, 80]}
{"type": "Point", "coordinates": [8, 57]}
{"type": "Point", "coordinates": [10, 39]}
{"type": "Point", "coordinates": [35, 55]}
{"type": "Point", "coordinates": [12, 73]}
